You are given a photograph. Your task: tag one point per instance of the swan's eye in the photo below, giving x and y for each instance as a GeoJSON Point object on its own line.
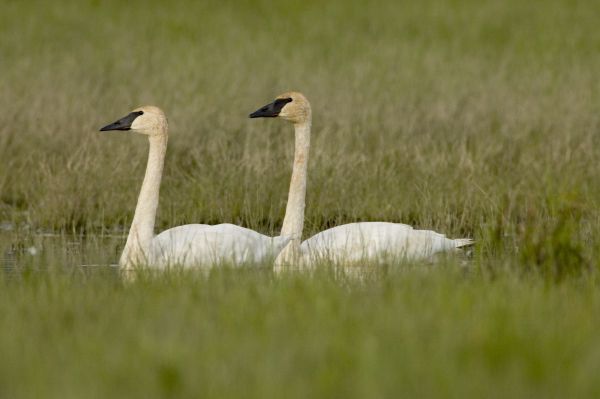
{"type": "Point", "coordinates": [139, 113]}
{"type": "Point", "coordinates": [285, 100]}
{"type": "Point", "coordinates": [280, 102]}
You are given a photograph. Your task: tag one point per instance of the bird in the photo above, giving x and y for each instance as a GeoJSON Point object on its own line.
{"type": "Point", "coordinates": [348, 243]}
{"type": "Point", "coordinates": [188, 245]}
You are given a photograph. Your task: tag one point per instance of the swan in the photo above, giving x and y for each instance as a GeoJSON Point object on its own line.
{"type": "Point", "coordinates": [347, 243]}
{"type": "Point", "coordinates": [188, 245]}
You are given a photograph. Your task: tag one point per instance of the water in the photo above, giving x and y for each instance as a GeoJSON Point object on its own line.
{"type": "Point", "coordinates": [24, 252]}
{"type": "Point", "coordinates": [39, 252]}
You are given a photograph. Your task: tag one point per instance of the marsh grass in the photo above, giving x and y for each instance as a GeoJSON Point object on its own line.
{"type": "Point", "coordinates": [475, 119]}
{"type": "Point", "coordinates": [418, 331]}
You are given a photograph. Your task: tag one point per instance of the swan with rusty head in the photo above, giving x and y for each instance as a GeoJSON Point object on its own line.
{"type": "Point", "coordinates": [351, 242]}
{"type": "Point", "coordinates": [189, 245]}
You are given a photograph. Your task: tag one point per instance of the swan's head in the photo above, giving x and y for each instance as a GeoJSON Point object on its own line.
{"type": "Point", "coordinates": [291, 106]}
{"type": "Point", "coordinates": [148, 120]}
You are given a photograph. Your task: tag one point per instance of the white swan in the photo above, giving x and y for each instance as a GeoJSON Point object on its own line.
{"type": "Point", "coordinates": [346, 243]}
{"type": "Point", "coordinates": [189, 245]}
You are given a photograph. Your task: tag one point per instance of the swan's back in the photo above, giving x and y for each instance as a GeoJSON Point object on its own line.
{"type": "Point", "coordinates": [375, 240]}
{"type": "Point", "coordinates": [204, 245]}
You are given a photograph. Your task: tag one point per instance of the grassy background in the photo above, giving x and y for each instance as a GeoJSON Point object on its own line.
{"type": "Point", "coordinates": [471, 118]}
{"type": "Point", "coordinates": [413, 333]}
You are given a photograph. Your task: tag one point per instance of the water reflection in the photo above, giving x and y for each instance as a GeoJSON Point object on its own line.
{"type": "Point", "coordinates": [22, 251]}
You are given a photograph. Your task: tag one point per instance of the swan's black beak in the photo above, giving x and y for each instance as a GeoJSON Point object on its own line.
{"type": "Point", "coordinates": [123, 123]}
{"type": "Point", "coordinates": [271, 110]}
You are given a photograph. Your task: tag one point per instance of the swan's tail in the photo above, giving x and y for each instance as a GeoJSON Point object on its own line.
{"type": "Point", "coordinates": [463, 242]}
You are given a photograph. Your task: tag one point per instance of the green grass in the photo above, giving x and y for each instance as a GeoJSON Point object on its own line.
{"type": "Point", "coordinates": [471, 118]}
{"type": "Point", "coordinates": [414, 332]}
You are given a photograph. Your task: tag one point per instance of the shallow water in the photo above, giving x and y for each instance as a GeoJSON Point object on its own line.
{"type": "Point", "coordinates": [25, 251]}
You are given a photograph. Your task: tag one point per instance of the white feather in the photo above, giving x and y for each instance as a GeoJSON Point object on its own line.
{"type": "Point", "coordinates": [202, 245]}
{"type": "Point", "coordinates": [375, 241]}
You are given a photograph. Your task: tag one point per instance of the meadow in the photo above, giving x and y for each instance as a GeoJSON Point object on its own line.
{"type": "Point", "coordinates": [476, 119]}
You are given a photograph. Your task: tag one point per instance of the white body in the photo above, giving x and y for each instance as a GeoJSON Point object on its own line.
{"type": "Point", "coordinates": [205, 246]}
{"type": "Point", "coordinates": [374, 241]}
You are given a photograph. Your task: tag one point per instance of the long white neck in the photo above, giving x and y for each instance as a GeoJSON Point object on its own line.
{"type": "Point", "coordinates": [141, 233]}
{"type": "Point", "coordinates": [293, 222]}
